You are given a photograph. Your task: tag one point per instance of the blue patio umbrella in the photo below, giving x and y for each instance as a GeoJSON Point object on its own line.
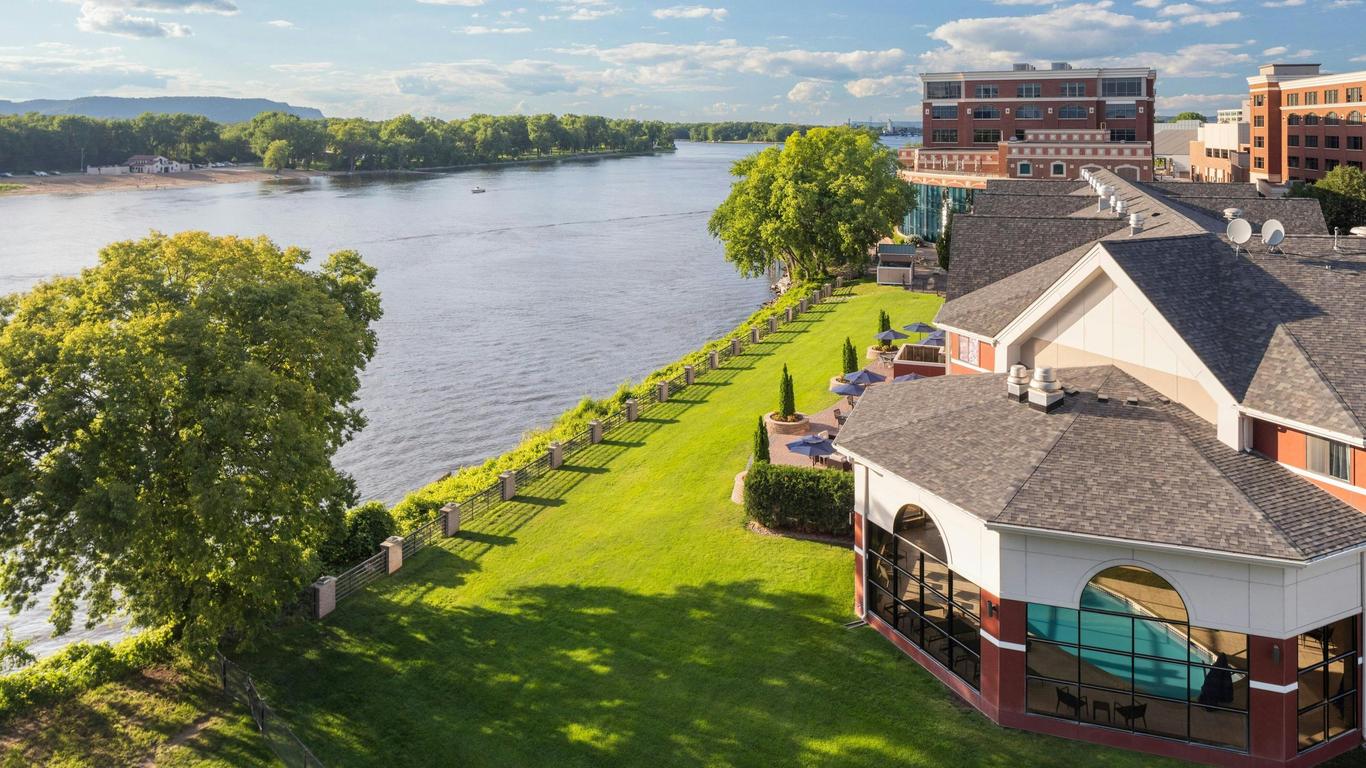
{"type": "Point", "coordinates": [891, 335]}
{"type": "Point", "coordinates": [848, 390]}
{"type": "Point", "coordinates": [919, 327]}
{"type": "Point", "coordinates": [864, 377]}
{"type": "Point", "coordinates": [813, 446]}
{"type": "Point", "coordinates": [907, 377]}
{"type": "Point", "coordinates": [935, 339]}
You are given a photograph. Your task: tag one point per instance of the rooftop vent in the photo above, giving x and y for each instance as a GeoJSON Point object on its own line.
{"type": "Point", "coordinates": [1358, 231]}
{"type": "Point", "coordinates": [1233, 213]}
{"type": "Point", "coordinates": [1131, 400]}
{"type": "Point", "coordinates": [1105, 193]}
{"type": "Point", "coordinates": [1060, 65]}
{"type": "Point", "coordinates": [1120, 208]}
{"type": "Point", "coordinates": [1017, 383]}
{"type": "Point", "coordinates": [1022, 67]}
{"type": "Point", "coordinates": [1135, 223]}
{"type": "Point", "coordinates": [1102, 398]}
{"type": "Point", "coordinates": [1045, 393]}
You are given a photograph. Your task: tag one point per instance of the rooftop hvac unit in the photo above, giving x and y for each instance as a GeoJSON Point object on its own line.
{"type": "Point", "coordinates": [1022, 67]}
{"type": "Point", "coordinates": [1061, 65]}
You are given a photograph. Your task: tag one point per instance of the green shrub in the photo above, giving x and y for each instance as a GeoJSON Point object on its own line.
{"type": "Point", "coordinates": [850, 356]}
{"type": "Point", "coordinates": [787, 399]}
{"type": "Point", "coordinates": [800, 499]}
{"type": "Point", "coordinates": [761, 454]}
{"type": "Point", "coordinates": [367, 526]}
{"type": "Point", "coordinates": [884, 321]}
{"type": "Point", "coordinates": [80, 667]}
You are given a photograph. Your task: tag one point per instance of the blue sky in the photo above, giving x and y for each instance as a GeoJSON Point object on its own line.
{"type": "Point", "coordinates": [798, 60]}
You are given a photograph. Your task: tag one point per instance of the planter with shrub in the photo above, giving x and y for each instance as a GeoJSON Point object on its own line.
{"type": "Point", "coordinates": [800, 500]}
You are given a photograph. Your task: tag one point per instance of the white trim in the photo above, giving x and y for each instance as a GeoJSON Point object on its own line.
{"type": "Point", "coordinates": [1152, 545]}
{"type": "Point", "coordinates": [977, 368]}
{"type": "Point", "coordinates": [859, 551]}
{"type": "Point", "coordinates": [1327, 434]}
{"type": "Point", "coordinates": [1005, 645]}
{"type": "Point", "coordinates": [1258, 685]}
{"type": "Point", "coordinates": [1326, 479]}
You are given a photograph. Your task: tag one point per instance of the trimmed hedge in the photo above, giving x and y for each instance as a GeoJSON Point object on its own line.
{"type": "Point", "coordinates": [799, 499]}
{"type": "Point", "coordinates": [423, 504]}
{"type": "Point", "coordinates": [79, 667]}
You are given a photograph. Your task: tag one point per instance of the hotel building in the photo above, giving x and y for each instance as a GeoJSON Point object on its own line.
{"type": "Point", "coordinates": [1025, 123]}
{"type": "Point", "coordinates": [1305, 122]}
{"type": "Point", "coordinates": [1132, 512]}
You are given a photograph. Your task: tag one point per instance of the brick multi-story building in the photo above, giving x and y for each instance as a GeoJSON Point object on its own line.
{"type": "Point", "coordinates": [1026, 123]}
{"type": "Point", "coordinates": [1304, 122]}
{"type": "Point", "coordinates": [1220, 152]}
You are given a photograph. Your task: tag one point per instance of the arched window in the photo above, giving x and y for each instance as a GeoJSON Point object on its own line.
{"type": "Point", "coordinates": [1331, 118]}
{"type": "Point", "coordinates": [912, 589]}
{"type": "Point", "coordinates": [1311, 119]}
{"type": "Point", "coordinates": [1072, 112]}
{"type": "Point", "coordinates": [1292, 119]}
{"type": "Point", "coordinates": [1028, 113]}
{"type": "Point", "coordinates": [1128, 658]}
{"type": "Point", "coordinates": [1354, 118]}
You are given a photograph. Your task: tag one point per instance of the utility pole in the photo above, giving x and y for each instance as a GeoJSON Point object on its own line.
{"type": "Point", "coordinates": [82, 159]}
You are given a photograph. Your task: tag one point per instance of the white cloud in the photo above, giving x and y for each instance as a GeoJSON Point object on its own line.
{"type": "Point", "coordinates": [303, 67]}
{"type": "Point", "coordinates": [722, 108]}
{"type": "Point", "coordinates": [1148, 3]}
{"type": "Point", "coordinates": [281, 24]}
{"type": "Point", "coordinates": [582, 10]}
{"type": "Point", "coordinates": [223, 7]}
{"type": "Point", "coordinates": [1275, 50]}
{"type": "Point", "coordinates": [1180, 9]}
{"type": "Point", "coordinates": [468, 81]}
{"type": "Point", "coordinates": [683, 63]}
{"type": "Point", "coordinates": [115, 21]}
{"type": "Point", "coordinates": [482, 30]}
{"type": "Point", "coordinates": [691, 12]}
{"type": "Point", "coordinates": [809, 92]}
{"type": "Point", "coordinates": [1283, 3]}
{"type": "Point", "coordinates": [1200, 60]}
{"type": "Point", "coordinates": [1072, 31]}
{"type": "Point", "coordinates": [62, 69]}
{"type": "Point", "coordinates": [1358, 58]}
{"type": "Point", "coordinates": [1211, 19]}
{"type": "Point", "coordinates": [1198, 101]}
{"type": "Point", "coordinates": [888, 85]}
{"type": "Point", "coordinates": [461, 3]}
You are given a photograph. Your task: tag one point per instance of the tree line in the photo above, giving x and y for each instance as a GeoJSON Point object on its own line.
{"type": "Point", "coordinates": [736, 131]}
{"type": "Point", "coordinates": [43, 142]}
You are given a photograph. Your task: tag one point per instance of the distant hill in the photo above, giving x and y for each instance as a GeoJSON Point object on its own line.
{"type": "Point", "coordinates": [216, 108]}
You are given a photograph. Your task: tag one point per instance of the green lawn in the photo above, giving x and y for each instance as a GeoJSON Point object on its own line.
{"type": "Point", "coordinates": [619, 613]}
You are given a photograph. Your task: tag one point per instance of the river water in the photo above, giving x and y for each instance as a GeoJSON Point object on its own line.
{"type": "Point", "coordinates": [501, 310]}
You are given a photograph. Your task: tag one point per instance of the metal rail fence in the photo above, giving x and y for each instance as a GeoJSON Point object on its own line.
{"type": "Point", "coordinates": [485, 500]}
{"type": "Point", "coordinates": [238, 684]}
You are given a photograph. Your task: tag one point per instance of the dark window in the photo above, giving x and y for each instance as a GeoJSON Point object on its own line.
{"type": "Point", "coordinates": [1327, 682]}
{"type": "Point", "coordinates": [1311, 141]}
{"type": "Point", "coordinates": [1123, 134]}
{"type": "Point", "coordinates": [1328, 457]}
{"type": "Point", "coordinates": [1129, 659]}
{"type": "Point", "coordinates": [1311, 163]}
{"type": "Point", "coordinates": [1019, 134]}
{"type": "Point", "coordinates": [1311, 119]}
{"type": "Point", "coordinates": [1332, 142]}
{"type": "Point", "coordinates": [1121, 87]}
{"type": "Point", "coordinates": [1059, 169]}
{"type": "Point", "coordinates": [1259, 162]}
{"type": "Point", "coordinates": [944, 112]}
{"type": "Point", "coordinates": [1121, 111]}
{"type": "Point", "coordinates": [1259, 121]}
{"type": "Point", "coordinates": [944, 136]}
{"type": "Point", "coordinates": [1331, 119]}
{"type": "Point", "coordinates": [1259, 141]}
{"type": "Point", "coordinates": [1073, 90]}
{"type": "Point", "coordinates": [1072, 112]}
{"type": "Point", "coordinates": [1354, 95]}
{"type": "Point", "coordinates": [1354, 142]}
{"type": "Point", "coordinates": [1292, 119]}
{"type": "Point", "coordinates": [1293, 161]}
{"type": "Point", "coordinates": [985, 92]}
{"type": "Point", "coordinates": [1025, 169]}
{"type": "Point", "coordinates": [943, 90]}
{"type": "Point", "coordinates": [1028, 91]}
{"type": "Point", "coordinates": [1258, 100]}
{"type": "Point", "coordinates": [1292, 140]}
{"type": "Point", "coordinates": [1311, 98]}
{"type": "Point", "coordinates": [1329, 164]}
{"type": "Point", "coordinates": [926, 602]}
{"type": "Point", "coordinates": [1028, 113]}
{"type": "Point", "coordinates": [986, 113]}
{"type": "Point", "coordinates": [1292, 99]}
{"type": "Point", "coordinates": [1330, 96]}
{"type": "Point", "coordinates": [986, 135]}
{"type": "Point", "coordinates": [1355, 164]}
{"type": "Point", "coordinates": [1354, 118]}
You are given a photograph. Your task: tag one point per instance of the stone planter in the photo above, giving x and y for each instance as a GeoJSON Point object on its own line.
{"type": "Point", "coordinates": [798, 427]}
{"type": "Point", "coordinates": [873, 353]}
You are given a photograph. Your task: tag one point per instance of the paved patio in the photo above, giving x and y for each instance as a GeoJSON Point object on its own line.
{"type": "Point", "coordinates": [823, 422]}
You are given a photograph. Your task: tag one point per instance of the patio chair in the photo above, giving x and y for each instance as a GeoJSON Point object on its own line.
{"type": "Point", "coordinates": [1132, 713]}
{"type": "Point", "coordinates": [840, 417]}
{"type": "Point", "coordinates": [1074, 703]}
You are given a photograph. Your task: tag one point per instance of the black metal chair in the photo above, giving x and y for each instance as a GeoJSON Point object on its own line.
{"type": "Point", "coordinates": [1133, 712]}
{"type": "Point", "coordinates": [1074, 703]}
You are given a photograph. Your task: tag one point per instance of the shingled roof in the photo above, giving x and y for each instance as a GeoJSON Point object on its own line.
{"type": "Point", "coordinates": [1152, 472]}
{"type": "Point", "coordinates": [1201, 189]}
{"type": "Point", "coordinates": [985, 249]}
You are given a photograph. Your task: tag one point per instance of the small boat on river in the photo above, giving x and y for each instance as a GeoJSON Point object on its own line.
{"type": "Point", "coordinates": [477, 191]}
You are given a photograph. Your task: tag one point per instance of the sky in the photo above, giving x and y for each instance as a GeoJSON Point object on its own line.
{"type": "Point", "coordinates": [800, 61]}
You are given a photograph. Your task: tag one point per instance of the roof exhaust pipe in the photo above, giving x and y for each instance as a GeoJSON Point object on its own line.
{"type": "Point", "coordinates": [1017, 383]}
{"type": "Point", "coordinates": [1045, 393]}
{"type": "Point", "coordinates": [1106, 192]}
{"type": "Point", "coordinates": [1135, 223]}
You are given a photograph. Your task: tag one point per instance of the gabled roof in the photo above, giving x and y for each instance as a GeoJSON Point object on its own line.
{"type": "Point", "coordinates": [1200, 189]}
{"type": "Point", "coordinates": [1152, 472]}
{"type": "Point", "coordinates": [985, 249]}
{"type": "Point", "coordinates": [1301, 216]}
{"type": "Point", "coordinates": [1034, 187]}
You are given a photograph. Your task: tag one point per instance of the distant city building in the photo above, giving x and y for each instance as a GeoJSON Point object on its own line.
{"type": "Point", "coordinates": [1305, 122]}
{"type": "Point", "coordinates": [1219, 152]}
{"type": "Point", "coordinates": [1232, 115]}
{"type": "Point", "coordinates": [1171, 146]}
{"type": "Point", "coordinates": [1025, 123]}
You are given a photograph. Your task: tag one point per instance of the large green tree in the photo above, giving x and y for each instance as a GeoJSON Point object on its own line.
{"type": "Point", "coordinates": [170, 417]}
{"type": "Point", "coordinates": [816, 204]}
{"type": "Point", "coordinates": [1188, 116]}
{"type": "Point", "coordinates": [1342, 196]}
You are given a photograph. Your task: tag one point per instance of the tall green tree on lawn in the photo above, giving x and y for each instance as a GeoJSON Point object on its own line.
{"type": "Point", "coordinates": [850, 356]}
{"type": "Point", "coordinates": [814, 205]}
{"type": "Point", "coordinates": [787, 399]}
{"type": "Point", "coordinates": [761, 453]}
{"type": "Point", "coordinates": [170, 417]}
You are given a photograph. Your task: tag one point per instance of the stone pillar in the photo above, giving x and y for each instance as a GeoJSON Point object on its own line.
{"type": "Point", "coordinates": [393, 553]}
{"type": "Point", "coordinates": [773, 325]}
{"type": "Point", "coordinates": [753, 335]}
{"type": "Point", "coordinates": [662, 391]}
{"type": "Point", "coordinates": [689, 375]}
{"type": "Point", "coordinates": [829, 290]}
{"type": "Point", "coordinates": [801, 307]}
{"type": "Point", "coordinates": [324, 596]}
{"type": "Point", "coordinates": [791, 313]}
{"type": "Point", "coordinates": [735, 346]}
{"type": "Point", "coordinates": [632, 410]}
{"type": "Point", "coordinates": [450, 523]}
{"type": "Point", "coordinates": [556, 455]}
{"type": "Point", "coordinates": [509, 483]}
{"type": "Point", "coordinates": [839, 283]}
{"type": "Point", "coordinates": [595, 431]}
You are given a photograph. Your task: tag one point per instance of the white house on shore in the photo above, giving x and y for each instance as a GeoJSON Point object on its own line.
{"type": "Point", "coordinates": [154, 164]}
{"type": "Point", "coordinates": [106, 170]}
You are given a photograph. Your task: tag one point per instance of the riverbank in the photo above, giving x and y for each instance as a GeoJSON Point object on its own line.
{"type": "Point", "coordinates": [83, 184]}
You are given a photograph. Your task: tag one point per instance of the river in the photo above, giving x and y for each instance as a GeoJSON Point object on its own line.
{"type": "Point", "coordinates": [501, 310]}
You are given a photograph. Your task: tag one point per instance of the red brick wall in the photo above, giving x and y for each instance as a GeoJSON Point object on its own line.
{"type": "Point", "coordinates": [1287, 446]}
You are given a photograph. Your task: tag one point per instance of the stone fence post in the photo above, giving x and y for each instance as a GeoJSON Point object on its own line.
{"type": "Point", "coordinates": [735, 346]}
{"type": "Point", "coordinates": [839, 283]}
{"type": "Point", "coordinates": [595, 431]}
{"type": "Point", "coordinates": [753, 335]}
{"type": "Point", "coordinates": [773, 325]}
{"type": "Point", "coordinates": [450, 522]}
{"type": "Point", "coordinates": [324, 596]}
{"type": "Point", "coordinates": [713, 360]}
{"type": "Point", "coordinates": [632, 410]}
{"type": "Point", "coordinates": [393, 553]}
{"type": "Point", "coordinates": [662, 391]}
{"type": "Point", "coordinates": [509, 484]}
{"type": "Point", "coordinates": [689, 375]}
{"type": "Point", "coordinates": [555, 455]}
{"type": "Point", "coordinates": [791, 313]}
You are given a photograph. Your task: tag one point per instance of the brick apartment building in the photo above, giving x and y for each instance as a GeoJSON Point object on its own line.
{"type": "Point", "coordinates": [1304, 122]}
{"type": "Point", "coordinates": [1026, 123]}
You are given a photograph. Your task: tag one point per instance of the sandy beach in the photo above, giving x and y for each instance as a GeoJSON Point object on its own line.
{"type": "Point", "coordinates": [81, 184]}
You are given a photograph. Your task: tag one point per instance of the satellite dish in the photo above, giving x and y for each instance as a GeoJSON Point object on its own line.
{"type": "Point", "coordinates": [1273, 232]}
{"type": "Point", "coordinates": [1239, 231]}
